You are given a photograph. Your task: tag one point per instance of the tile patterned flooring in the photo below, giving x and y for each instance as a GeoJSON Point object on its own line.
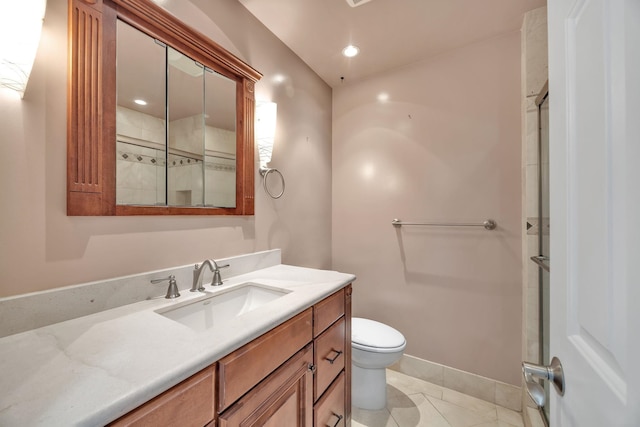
{"type": "Point", "coordinates": [412, 402]}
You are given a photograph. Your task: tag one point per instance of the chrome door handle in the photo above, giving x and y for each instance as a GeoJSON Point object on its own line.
{"type": "Point", "coordinates": [552, 373]}
{"type": "Point", "coordinates": [542, 261]}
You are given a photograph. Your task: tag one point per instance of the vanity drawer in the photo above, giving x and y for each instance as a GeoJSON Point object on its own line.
{"type": "Point", "coordinates": [239, 371]}
{"type": "Point", "coordinates": [330, 410]}
{"type": "Point", "coordinates": [329, 356]}
{"type": "Point", "coordinates": [189, 403]}
{"type": "Point", "coordinates": [328, 311]}
{"type": "Point", "coordinates": [284, 398]}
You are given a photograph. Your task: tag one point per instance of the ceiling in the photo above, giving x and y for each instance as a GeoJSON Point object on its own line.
{"type": "Point", "coordinates": [389, 33]}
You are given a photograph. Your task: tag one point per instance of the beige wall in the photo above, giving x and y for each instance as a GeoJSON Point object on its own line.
{"type": "Point", "coordinates": [444, 147]}
{"type": "Point", "coordinates": [42, 248]}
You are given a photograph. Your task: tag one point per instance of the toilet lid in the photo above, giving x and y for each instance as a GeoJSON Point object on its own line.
{"type": "Point", "coordinates": [369, 333]}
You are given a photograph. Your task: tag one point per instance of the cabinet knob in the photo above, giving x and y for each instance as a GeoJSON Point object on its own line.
{"type": "Point", "coordinates": [333, 359]}
{"type": "Point", "coordinates": [312, 368]}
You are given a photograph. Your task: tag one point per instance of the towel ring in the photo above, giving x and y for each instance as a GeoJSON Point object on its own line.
{"type": "Point", "coordinates": [265, 173]}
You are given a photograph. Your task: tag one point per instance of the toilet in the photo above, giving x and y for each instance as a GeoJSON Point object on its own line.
{"type": "Point", "coordinates": [374, 346]}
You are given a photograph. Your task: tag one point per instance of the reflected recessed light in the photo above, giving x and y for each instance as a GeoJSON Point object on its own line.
{"type": "Point", "coordinates": [140, 101]}
{"type": "Point", "coordinates": [350, 51]}
{"type": "Point", "coordinates": [383, 97]}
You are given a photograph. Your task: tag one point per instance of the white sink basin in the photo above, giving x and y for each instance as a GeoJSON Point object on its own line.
{"type": "Point", "coordinates": [223, 306]}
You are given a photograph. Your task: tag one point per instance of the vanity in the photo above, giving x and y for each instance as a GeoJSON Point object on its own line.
{"type": "Point", "coordinates": [283, 359]}
{"type": "Point", "coordinates": [292, 375]}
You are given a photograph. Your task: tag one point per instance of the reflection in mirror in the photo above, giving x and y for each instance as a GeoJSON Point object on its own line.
{"type": "Point", "coordinates": [220, 141]}
{"type": "Point", "coordinates": [189, 159]}
{"type": "Point", "coordinates": [140, 119]}
{"type": "Point", "coordinates": [186, 130]}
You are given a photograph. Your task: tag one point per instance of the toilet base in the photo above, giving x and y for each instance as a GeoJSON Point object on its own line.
{"type": "Point", "coordinates": [368, 388]}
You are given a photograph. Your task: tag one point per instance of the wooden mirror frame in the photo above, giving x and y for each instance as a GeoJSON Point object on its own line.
{"type": "Point", "coordinates": [91, 104]}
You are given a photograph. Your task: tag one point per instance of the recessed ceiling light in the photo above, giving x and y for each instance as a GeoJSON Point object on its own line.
{"type": "Point", "coordinates": [140, 101]}
{"type": "Point", "coordinates": [350, 51]}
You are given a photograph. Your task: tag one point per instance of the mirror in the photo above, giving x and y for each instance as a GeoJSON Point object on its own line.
{"type": "Point", "coordinates": [219, 140]}
{"type": "Point", "coordinates": [155, 130]}
{"type": "Point", "coordinates": [140, 119]}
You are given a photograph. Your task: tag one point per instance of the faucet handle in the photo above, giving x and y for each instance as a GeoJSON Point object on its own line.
{"type": "Point", "coordinates": [217, 280]}
{"type": "Point", "coordinates": [172, 291]}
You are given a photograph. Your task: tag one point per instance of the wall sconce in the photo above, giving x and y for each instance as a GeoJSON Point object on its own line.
{"type": "Point", "coordinates": [20, 28]}
{"type": "Point", "coordinates": [265, 131]}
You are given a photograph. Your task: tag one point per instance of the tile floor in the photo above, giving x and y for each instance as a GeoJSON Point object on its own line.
{"type": "Point", "coordinates": [412, 402]}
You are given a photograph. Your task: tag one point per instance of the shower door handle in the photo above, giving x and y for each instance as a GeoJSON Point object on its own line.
{"type": "Point", "coordinates": [553, 373]}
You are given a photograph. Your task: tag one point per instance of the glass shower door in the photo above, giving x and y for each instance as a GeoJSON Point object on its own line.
{"type": "Point", "coordinates": [543, 236]}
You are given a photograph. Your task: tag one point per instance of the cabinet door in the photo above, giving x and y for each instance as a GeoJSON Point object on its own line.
{"type": "Point", "coordinates": [328, 311]}
{"type": "Point", "coordinates": [241, 370]}
{"type": "Point", "coordinates": [329, 356]}
{"type": "Point", "coordinates": [283, 399]}
{"type": "Point", "coordinates": [330, 409]}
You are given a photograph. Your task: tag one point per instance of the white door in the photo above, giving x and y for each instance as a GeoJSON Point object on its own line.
{"type": "Point", "coordinates": [594, 88]}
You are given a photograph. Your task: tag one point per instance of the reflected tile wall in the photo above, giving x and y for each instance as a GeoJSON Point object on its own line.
{"type": "Point", "coordinates": [220, 182]}
{"type": "Point", "coordinates": [140, 172]}
{"type": "Point", "coordinates": [139, 175]}
{"type": "Point", "coordinates": [138, 125]}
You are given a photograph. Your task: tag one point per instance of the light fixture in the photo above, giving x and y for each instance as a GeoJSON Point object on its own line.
{"type": "Point", "coordinates": [350, 51]}
{"type": "Point", "coordinates": [20, 28]}
{"type": "Point", "coordinates": [140, 101]}
{"type": "Point", "coordinates": [265, 132]}
{"type": "Point", "coordinates": [355, 3]}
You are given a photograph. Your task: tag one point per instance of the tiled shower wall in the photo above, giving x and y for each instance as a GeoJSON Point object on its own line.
{"type": "Point", "coordinates": [534, 77]}
{"type": "Point", "coordinates": [140, 177]}
{"type": "Point", "coordinates": [141, 170]}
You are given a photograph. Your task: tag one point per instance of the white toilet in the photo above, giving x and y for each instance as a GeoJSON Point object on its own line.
{"type": "Point", "coordinates": [374, 347]}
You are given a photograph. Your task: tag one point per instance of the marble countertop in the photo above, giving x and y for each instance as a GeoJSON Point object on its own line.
{"type": "Point", "coordinates": [91, 370]}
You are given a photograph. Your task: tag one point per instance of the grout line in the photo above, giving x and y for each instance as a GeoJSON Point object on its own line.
{"type": "Point", "coordinates": [436, 408]}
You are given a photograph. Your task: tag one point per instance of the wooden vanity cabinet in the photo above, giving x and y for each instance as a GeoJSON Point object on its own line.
{"type": "Point", "coordinates": [311, 389]}
{"type": "Point", "coordinates": [296, 375]}
{"type": "Point", "coordinates": [188, 404]}
{"type": "Point", "coordinates": [332, 358]}
{"type": "Point", "coordinates": [330, 408]}
{"type": "Point", "coordinates": [244, 368]}
{"type": "Point", "coordinates": [284, 399]}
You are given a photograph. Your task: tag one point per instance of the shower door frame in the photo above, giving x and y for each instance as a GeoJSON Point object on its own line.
{"type": "Point", "coordinates": [543, 258]}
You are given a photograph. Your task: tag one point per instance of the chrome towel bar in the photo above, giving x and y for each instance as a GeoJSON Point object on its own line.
{"type": "Point", "coordinates": [488, 224]}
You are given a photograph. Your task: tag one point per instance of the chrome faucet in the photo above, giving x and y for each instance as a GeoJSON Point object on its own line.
{"type": "Point", "coordinates": [172, 291]}
{"type": "Point", "coordinates": [197, 275]}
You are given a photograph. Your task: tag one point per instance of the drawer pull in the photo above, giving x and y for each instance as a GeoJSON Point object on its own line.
{"type": "Point", "coordinates": [340, 417]}
{"type": "Point", "coordinates": [333, 359]}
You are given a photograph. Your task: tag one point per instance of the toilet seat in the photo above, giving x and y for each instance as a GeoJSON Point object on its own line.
{"type": "Point", "coordinates": [375, 337]}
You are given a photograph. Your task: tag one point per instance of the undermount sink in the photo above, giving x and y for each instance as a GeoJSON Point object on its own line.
{"type": "Point", "coordinates": [225, 305]}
